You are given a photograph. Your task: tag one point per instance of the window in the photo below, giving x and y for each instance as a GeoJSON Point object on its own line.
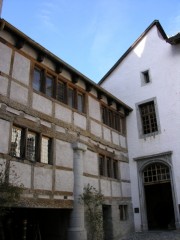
{"type": "Point", "coordinates": [113, 119]}
{"type": "Point", "coordinates": [43, 82]}
{"type": "Point", "coordinates": [156, 173]}
{"type": "Point", "coordinates": [25, 144]}
{"type": "Point", "coordinates": [80, 102]}
{"type": "Point", "coordinates": [49, 86]}
{"type": "Point", "coordinates": [108, 167]}
{"type": "Point", "coordinates": [123, 212]}
{"type": "Point", "coordinates": [145, 77]}
{"type": "Point", "coordinates": [61, 92]}
{"type": "Point", "coordinates": [37, 78]}
{"type": "Point", "coordinates": [53, 87]}
{"type": "Point", "coordinates": [102, 170]}
{"type": "Point", "coordinates": [71, 97]}
{"type": "Point", "coordinates": [148, 118]}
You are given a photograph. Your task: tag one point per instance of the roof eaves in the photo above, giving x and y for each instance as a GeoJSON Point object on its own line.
{"type": "Point", "coordinates": [161, 30]}
{"type": "Point", "coordinates": [174, 40]}
{"type": "Point", "coordinates": [6, 25]}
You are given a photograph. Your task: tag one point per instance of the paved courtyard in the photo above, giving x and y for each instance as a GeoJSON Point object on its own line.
{"type": "Point", "coordinates": [154, 235]}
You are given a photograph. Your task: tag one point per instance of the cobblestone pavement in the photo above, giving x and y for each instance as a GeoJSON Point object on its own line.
{"type": "Point", "coordinates": [154, 235]}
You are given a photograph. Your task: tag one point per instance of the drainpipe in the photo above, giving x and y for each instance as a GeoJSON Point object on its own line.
{"type": "Point", "coordinates": [77, 230]}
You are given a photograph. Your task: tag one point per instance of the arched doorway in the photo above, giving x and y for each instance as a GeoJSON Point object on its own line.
{"type": "Point", "coordinates": [158, 196]}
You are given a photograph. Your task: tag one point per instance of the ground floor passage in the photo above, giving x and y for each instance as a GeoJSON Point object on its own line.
{"type": "Point", "coordinates": [159, 204]}
{"type": "Point", "coordinates": [35, 224]}
{"type": "Point", "coordinates": [154, 235]}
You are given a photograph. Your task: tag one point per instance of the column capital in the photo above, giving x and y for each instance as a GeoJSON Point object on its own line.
{"type": "Point", "coordinates": [79, 146]}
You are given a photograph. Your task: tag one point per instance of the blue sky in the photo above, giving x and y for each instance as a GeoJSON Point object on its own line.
{"type": "Point", "coordinates": [90, 35]}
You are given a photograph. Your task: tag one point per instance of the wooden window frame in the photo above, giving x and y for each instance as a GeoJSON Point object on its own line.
{"type": "Point", "coordinates": [106, 167]}
{"type": "Point", "coordinates": [24, 145]}
{"type": "Point", "coordinates": [148, 118]}
{"type": "Point", "coordinates": [123, 212]}
{"type": "Point", "coordinates": [44, 75]}
{"type": "Point", "coordinates": [113, 119]}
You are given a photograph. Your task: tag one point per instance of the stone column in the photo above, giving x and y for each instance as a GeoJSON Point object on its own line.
{"type": "Point", "coordinates": [77, 230]}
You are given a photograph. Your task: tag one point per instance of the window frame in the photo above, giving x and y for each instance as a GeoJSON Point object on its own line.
{"type": "Point", "coordinates": [123, 212]}
{"type": "Point", "coordinates": [23, 146]}
{"type": "Point", "coordinates": [106, 167]}
{"type": "Point", "coordinates": [41, 86]}
{"type": "Point", "coordinates": [139, 118]}
{"type": "Point", "coordinates": [113, 119]}
{"type": "Point", "coordinates": [145, 77]}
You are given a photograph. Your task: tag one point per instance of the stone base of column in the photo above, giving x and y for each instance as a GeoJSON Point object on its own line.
{"type": "Point", "coordinates": [77, 234]}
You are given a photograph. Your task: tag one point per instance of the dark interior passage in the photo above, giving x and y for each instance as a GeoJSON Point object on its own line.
{"type": "Point", "coordinates": [159, 205]}
{"type": "Point", "coordinates": [107, 223]}
{"type": "Point", "coordinates": [35, 224]}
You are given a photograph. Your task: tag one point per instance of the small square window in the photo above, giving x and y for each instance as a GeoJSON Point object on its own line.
{"type": "Point", "coordinates": [145, 77]}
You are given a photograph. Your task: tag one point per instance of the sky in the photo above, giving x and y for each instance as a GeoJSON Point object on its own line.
{"type": "Point", "coordinates": [90, 35]}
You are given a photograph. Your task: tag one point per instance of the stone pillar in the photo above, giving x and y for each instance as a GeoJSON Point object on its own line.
{"type": "Point", "coordinates": [77, 230]}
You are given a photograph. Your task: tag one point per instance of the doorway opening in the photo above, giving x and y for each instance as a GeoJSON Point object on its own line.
{"type": "Point", "coordinates": [107, 222]}
{"type": "Point", "coordinates": [158, 195]}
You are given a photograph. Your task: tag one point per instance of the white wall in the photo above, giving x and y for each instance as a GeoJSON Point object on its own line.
{"type": "Point", "coordinates": [162, 60]}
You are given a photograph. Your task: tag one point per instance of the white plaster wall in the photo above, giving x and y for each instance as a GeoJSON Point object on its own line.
{"type": "Point", "coordinates": [162, 60]}
{"type": "Point", "coordinates": [91, 163]}
{"type": "Point", "coordinates": [42, 178]}
{"type": "Point", "coordinates": [64, 181]}
{"type": "Point", "coordinates": [122, 141]}
{"type": "Point", "coordinates": [92, 181]}
{"type": "Point", "coordinates": [105, 186]}
{"type": "Point", "coordinates": [6, 60]}
{"type": "Point", "coordinates": [96, 128]}
{"type": "Point", "coordinates": [21, 68]}
{"type": "Point", "coordinates": [107, 134]}
{"type": "Point", "coordinates": [116, 189]}
{"type": "Point", "coordinates": [80, 120]}
{"type": "Point", "coordinates": [41, 104]}
{"type": "Point", "coordinates": [126, 189]}
{"type": "Point", "coordinates": [124, 171]}
{"type": "Point", "coordinates": [63, 113]}
{"type": "Point", "coordinates": [64, 154]}
{"type": "Point", "coordinates": [115, 138]}
{"type": "Point", "coordinates": [20, 174]}
{"type": "Point", "coordinates": [94, 108]}
{"type": "Point", "coordinates": [22, 96]}
{"type": "Point", "coordinates": [4, 136]}
{"type": "Point", "coordinates": [4, 85]}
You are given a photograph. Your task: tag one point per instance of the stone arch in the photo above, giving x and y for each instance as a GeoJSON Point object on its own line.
{"type": "Point", "coordinates": [163, 159]}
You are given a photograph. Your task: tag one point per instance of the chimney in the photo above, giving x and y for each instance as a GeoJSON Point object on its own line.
{"type": "Point", "coordinates": [1, 3]}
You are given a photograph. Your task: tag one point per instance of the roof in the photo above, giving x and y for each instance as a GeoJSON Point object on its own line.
{"type": "Point", "coordinates": [174, 40]}
{"type": "Point", "coordinates": [154, 23]}
{"type": "Point", "coordinates": [22, 38]}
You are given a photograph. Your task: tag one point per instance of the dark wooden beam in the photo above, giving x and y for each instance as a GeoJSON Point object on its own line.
{"type": "Point", "coordinates": [99, 95]}
{"type": "Point", "coordinates": [110, 101]}
{"type": "Point", "coordinates": [20, 43]}
{"type": "Point", "coordinates": [89, 87]}
{"type": "Point", "coordinates": [40, 57]}
{"type": "Point", "coordinates": [74, 78]}
{"type": "Point", "coordinates": [59, 68]}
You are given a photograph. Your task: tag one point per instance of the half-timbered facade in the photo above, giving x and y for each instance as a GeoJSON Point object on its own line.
{"type": "Point", "coordinates": [59, 131]}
